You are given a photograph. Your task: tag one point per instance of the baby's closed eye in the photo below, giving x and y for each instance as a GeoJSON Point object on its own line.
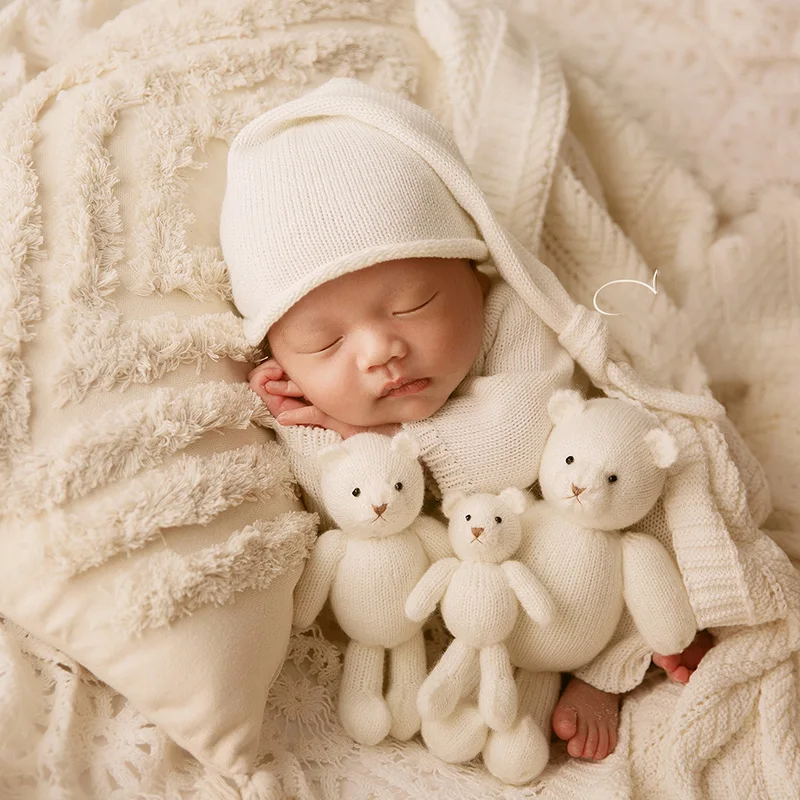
{"type": "Point", "coordinates": [418, 307]}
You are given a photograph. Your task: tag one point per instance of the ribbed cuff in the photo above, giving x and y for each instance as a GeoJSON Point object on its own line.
{"type": "Point", "coordinates": [437, 458]}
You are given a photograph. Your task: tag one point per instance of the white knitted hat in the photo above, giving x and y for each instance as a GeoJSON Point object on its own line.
{"type": "Point", "coordinates": [309, 202]}
{"type": "Point", "coordinates": [347, 176]}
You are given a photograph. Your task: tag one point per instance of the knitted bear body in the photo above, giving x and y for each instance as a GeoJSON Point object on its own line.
{"type": "Point", "coordinates": [373, 487]}
{"type": "Point", "coordinates": [479, 607]}
{"type": "Point", "coordinates": [581, 569]}
{"type": "Point", "coordinates": [382, 620]}
{"type": "Point", "coordinates": [481, 591]}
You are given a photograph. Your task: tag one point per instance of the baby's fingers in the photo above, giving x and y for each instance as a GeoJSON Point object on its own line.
{"type": "Point", "coordinates": [303, 415]}
{"type": "Point", "coordinates": [278, 404]}
{"type": "Point", "coordinates": [284, 388]}
{"type": "Point", "coordinates": [270, 370]}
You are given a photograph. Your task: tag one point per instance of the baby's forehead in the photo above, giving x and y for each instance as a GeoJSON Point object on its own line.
{"type": "Point", "coordinates": [365, 288]}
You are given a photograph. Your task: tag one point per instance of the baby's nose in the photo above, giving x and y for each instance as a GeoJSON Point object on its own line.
{"type": "Point", "coordinates": [379, 509]}
{"type": "Point", "coordinates": [378, 347]}
{"type": "Point", "coordinates": [476, 532]}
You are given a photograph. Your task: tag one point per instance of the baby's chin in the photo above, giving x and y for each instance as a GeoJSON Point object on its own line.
{"type": "Point", "coordinates": [398, 411]}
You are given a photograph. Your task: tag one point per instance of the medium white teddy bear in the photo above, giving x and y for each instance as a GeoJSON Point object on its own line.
{"type": "Point", "coordinates": [480, 591]}
{"type": "Point", "coordinates": [373, 487]}
{"type": "Point", "coordinates": [602, 470]}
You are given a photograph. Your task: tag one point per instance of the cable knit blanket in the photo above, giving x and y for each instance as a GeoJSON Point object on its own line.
{"type": "Point", "coordinates": [583, 186]}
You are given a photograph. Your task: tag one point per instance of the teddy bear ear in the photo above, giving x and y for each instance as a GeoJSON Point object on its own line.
{"type": "Point", "coordinates": [450, 501]}
{"type": "Point", "coordinates": [330, 454]}
{"type": "Point", "coordinates": [663, 447]}
{"type": "Point", "coordinates": [563, 404]}
{"type": "Point", "coordinates": [406, 444]}
{"type": "Point", "coordinates": [515, 499]}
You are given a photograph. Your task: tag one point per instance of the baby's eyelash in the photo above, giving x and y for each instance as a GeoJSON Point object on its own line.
{"type": "Point", "coordinates": [416, 308]}
{"type": "Point", "coordinates": [327, 347]}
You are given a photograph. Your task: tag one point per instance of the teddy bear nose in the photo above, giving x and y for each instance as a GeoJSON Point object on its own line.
{"type": "Point", "coordinates": [577, 490]}
{"type": "Point", "coordinates": [476, 532]}
{"type": "Point", "coordinates": [379, 509]}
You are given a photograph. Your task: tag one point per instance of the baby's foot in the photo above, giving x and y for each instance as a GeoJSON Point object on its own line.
{"type": "Point", "coordinates": [586, 718]}
{"type": "Point", "coordinates": [679, 667]}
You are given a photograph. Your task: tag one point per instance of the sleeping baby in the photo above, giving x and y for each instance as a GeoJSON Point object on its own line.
{"type": "Point", "coordinates": [383, 294]}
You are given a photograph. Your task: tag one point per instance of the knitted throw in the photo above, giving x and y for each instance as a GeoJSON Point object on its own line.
{"type": "Point", "coordinates": [578, 183]}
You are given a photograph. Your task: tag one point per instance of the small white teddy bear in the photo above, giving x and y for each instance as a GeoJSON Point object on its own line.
{"type": "Point", "coordinates": [373, 487]}
{"type": "Point", "coordinates": [480, 591]}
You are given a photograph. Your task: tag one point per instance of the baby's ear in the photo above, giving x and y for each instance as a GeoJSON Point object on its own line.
{"type": "Point", "coordinates": [406, 444]}
{"type": "Point", "coordinates": [663, 447]}
{"type": "Point", "coordinates": [563, 404]}
{"type": "Point", "coordinates": [330, 454]}
{"type": "Point", "coordinates": [515, 499]}
{"type": "Point", "coordinates": [450, 501]}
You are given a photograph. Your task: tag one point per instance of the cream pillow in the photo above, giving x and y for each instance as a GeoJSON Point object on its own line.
{"type": "Point", "coordinates": [149, 528]}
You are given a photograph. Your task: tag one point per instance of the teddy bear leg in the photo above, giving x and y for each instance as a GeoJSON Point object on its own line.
{"type": "Point", "coordinates": [407, 670]}
{"type": "Point", "coordinates": [518, 755]}
{"type": "Point", "coordinates": [363, 712]}
{"type": "Point", "coordinates": [444, 686]}
{"type": "Point", "coordinates": [459, 737]}
{"type": "Point", "coordinates": [497, 696]}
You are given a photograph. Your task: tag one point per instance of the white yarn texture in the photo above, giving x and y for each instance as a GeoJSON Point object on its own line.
{"type": "Point", "coordinates": [307, 203]}
{"type": "Point", "coordinates": [584, 194]}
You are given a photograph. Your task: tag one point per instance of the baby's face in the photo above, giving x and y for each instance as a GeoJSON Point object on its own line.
{"type": "Point", "coordinates": [386, 344]}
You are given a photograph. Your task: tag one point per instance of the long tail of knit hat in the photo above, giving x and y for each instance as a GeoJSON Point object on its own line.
{"type": "Point", "coordinates": [331, 198]}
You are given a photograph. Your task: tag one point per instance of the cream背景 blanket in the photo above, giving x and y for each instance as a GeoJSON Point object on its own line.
{"type": "Point", "coordinates": [732, 731]}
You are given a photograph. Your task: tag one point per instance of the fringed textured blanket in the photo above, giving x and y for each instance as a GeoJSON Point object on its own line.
{"type": "Point", "coordinates": [113, 163]}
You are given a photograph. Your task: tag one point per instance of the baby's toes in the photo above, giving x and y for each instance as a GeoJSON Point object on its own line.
{"type": "Point", "coordinates": [577, 744]}
{"type": "Point", "coordinates": [602, 743]}
{"type": "Point", "coordinates": [681, 674]}
{"type": "Point", "coordinates": [592, 740]}
{"type": "Point", "coordinates": [565, 722]}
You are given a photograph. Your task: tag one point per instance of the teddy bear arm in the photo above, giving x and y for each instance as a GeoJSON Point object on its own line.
{"type": "Point", "coordinates": [430, 589]}
{"type": "Point", "coordinates": [434, 537]}
{"type": "Point", "coordinates": [655, 594]}
{"type": "Point", "coordinates": [315, 582]}
{"type": "Point", "coordinates": [532, 596]}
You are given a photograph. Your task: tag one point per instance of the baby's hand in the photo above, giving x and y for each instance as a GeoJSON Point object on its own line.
{"type": "Point", "coordinates": [286, 403]}
{"type": "Point", "coordinates": [275, 388]}
{"type": "Point", "coordinates": [680, 667]}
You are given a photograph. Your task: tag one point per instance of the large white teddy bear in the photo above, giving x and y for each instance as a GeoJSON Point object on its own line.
{"type": "Point", "coordinates": [481, 591]}
{"type": "Point", "coordinates": [602, 470]}
{"type": "Point", "coordinates": [373, 487]}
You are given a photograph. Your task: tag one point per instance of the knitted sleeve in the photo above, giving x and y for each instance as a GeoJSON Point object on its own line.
{"type": "Point", "coordinates": [623, 662]}
{"type": "Point", "coordinates": [301, 444]}
{"type": "Point", "coordinates": [491, 432]}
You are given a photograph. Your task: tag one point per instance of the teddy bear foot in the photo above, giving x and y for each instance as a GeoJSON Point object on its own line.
{"type": "Point", "coordinates": [459, 737]}
{"type": "Point", "coordinates": [402, 705]}
{"type": "Point", "coordinates": [518, 755]}
{"type": "Point", "coordinates": [365, 717]}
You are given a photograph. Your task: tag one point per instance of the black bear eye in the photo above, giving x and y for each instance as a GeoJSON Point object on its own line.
{"type": "Point", "coordinates": [468, 517]}
{"type": "Point", "coordinates": [570, 459]}
{"type": "Point", "coordinates": [398, 486]}
{"type": "Point", "coordinates": [612, 478]}
{"type": "Point", "coordinates": [498, 520]}
{"type": "Point", "coordinates": [356, 492]}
